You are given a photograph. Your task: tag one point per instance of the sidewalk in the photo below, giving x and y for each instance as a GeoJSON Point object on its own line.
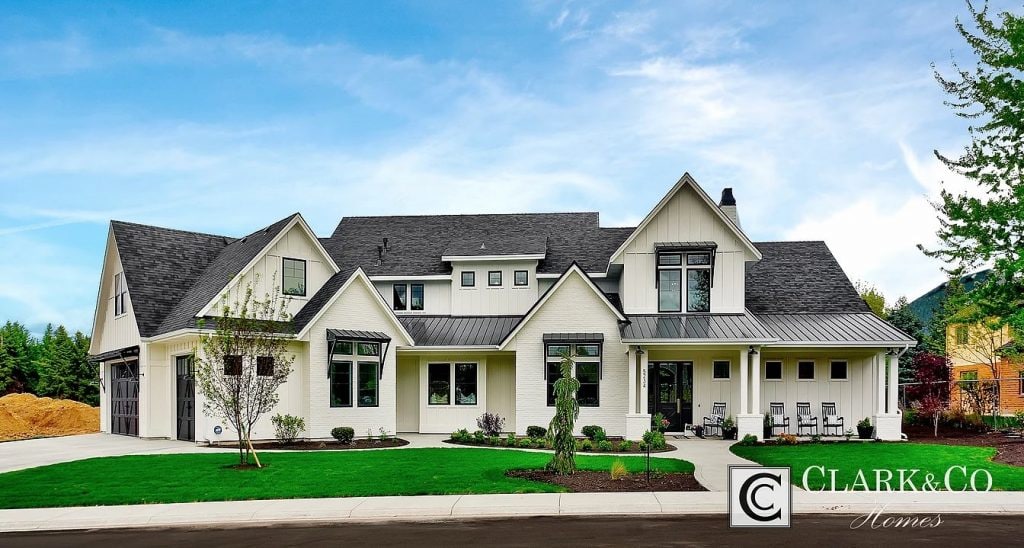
{"type": "Point", "coordinates": [446, 507]}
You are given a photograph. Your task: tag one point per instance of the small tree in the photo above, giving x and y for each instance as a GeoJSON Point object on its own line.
{"type": "Point", "coordinates": [931, 388]}
{"type": "Point", "coordinates": [243, 363]}
{"type": "Point", "coordinates": [567, 410]}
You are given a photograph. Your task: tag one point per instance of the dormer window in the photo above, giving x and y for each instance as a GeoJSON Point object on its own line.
{"type": "Point", "coordinates": [293, 277]}
{"type": "Point", "coordinates": [695, 262]}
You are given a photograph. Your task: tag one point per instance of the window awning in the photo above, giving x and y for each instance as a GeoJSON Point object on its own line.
{"type": "Point", "coordinates": [119, 354]}
{"type": "Point", "coordinates": [573, 337]}
{"type": "Point", "coordinates": [685, 246]}
{"type": "Point", "coordinates": [335, 335]}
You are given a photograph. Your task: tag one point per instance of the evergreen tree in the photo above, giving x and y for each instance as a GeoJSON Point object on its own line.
{"type": "Point", "coordinates": [17, 370]}
{"type": "Point", "coordinates": [901, 317]}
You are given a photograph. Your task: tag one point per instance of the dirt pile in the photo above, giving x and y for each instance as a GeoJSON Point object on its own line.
{"type": "Point", "coordinates": [27, 416]}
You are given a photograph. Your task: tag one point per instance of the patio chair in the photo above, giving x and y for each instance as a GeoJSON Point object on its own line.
{"type": "Point", "coordinates": [830, 418]}
{"type": "Point", "coordinates": [714, 422]}
{"type": "Point", "coordinates": [804, 419]}
{"type": "Point", "coordinates": [779, 418]}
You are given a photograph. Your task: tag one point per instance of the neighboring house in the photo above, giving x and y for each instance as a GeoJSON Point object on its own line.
{"type": "Point", "coordinates": [980, 357]}
{"type": "Point", "coordinates": [927, 305]}
{"type": "Point", "coordinates": [423, 323]}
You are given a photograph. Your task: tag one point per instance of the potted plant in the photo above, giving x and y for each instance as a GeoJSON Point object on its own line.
{"type": "Point", "coordinates": [728, 429]}
{"type": "Point", "coordinates": [864, 429]}
{"type": "Point", "coordinates": [768, 423]}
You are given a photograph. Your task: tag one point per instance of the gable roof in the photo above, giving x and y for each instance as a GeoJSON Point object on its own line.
{"type": "Point", "coordinates": [574, 268]}
{"type": "Point", "coordinates": [799, 277]}
{"type": "Point", "coordinates": [160, 266]}
{"type": "Point", "coordinates": [357, 276]}
{"type": "Point", "coordinates": [925, 306]}
{"type": "Point", "coordinates": [684, 181]}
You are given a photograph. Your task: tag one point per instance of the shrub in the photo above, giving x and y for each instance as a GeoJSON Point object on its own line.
{"type": "Point", "coordinates": [525, 442]}
{"type": "Point", "coordinates": [479, 436]}
{"type": "Point", "coordinates": [787, 439]}
{"type": "Point", "coordinates": [536, 431]}
{"type": "Point", "coordinates": [593, 432]}
{"type": "Point", "coordinates": [641, 445]}
{"type": "Point", "coordinates": [625, 446]}
{"type": "Point", "coordinates": [864, 423]}
{"type": "Point", "coordinates": [287, 427]}
{"type": "Point", "coordinates": [586, 445]}
{"type": "Point", "coordinates": [461, 435]}
{"type": "Point", "coordinates": [510, 441]}
{"type": "Point", "coordinates": [749, 439]}
{"type": "Point", "coordinates": [343, 434]}
{"type": "Point", "coordinates": [604, 445]}
{"type": "Point", "coordinates": [619, 470]}
{"type": "Point", "coordinates": [659, 422]}
{"type": "Point", "coordinates": [536, 443]}
{"type": "Point", "coordinates": [655, 439]}
{"type": "Point", "coordinates": [490, 423]}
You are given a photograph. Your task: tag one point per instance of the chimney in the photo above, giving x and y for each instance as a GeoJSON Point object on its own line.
{"type": "Point", "coordinates": [728, 206]}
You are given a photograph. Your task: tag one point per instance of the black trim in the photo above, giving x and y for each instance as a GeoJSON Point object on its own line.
{"type": "Point", "coordinates": [472, 275]}
{"type": "Point", "coordinates": [305, 277]}
{"type": "Point", "coordinates": [515, 278]}
{"type": "Point", "coordinates": [423, 296]}
{"type": "Point", "coordinates": [573, 338]}
{"type": "Point", "coordinates": [119, 354]}
{"type": "Point", "coordinates": [489, 274]}
{"type": "Point", "coordinates": [394, 296]}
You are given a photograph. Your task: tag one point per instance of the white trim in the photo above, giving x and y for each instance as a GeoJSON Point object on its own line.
{"type": "Point", "coordinates": [296, 220]}
{"type": "Point", "coordinates": [782, 370]}
{"type": "Point", "coordinates": [428, 277]}
{"type": "Point", "coordinates": [843, 361]}
{"type": "Point", "coordinates": [361, 275]}
{"type": "Point", "coordinates": [466, 258]}
{"type": "Point", "coordinates": [839, 344]}
{"type": "Point", "coordinates": [550, 276]}
{"type": "Point", "coordinates": [729, 370]}
{"type": "Point", "coordinates": [814, 361]}
{"type": "Point", "coordinates": [481, 348]}
{"type": "Point", "coordinates": [573, 268]}
{"type": "Point", "coordinates": [686, 179]}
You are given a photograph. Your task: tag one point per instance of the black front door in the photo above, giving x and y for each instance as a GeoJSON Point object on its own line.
{"type": "Point", "coordinates": [186, 398]}
{"type": "Point", "coordinates": [671, 392]}
{"type": "Point", "coordinates": [124, 398]}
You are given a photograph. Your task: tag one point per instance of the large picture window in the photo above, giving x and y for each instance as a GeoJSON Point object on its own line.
{"type": "Point", "coordinates": [671, 269]}
{"type": "Point", "coordinates": [293, 277]}
{"type": "Point", "coordinates": [439, 384]}
{"type": "Point", "coordinates": [465, 384]}
{"type": "Point", "coordinates": [587, 359]}
{"type": "Point", "coordinates": [354, 374]}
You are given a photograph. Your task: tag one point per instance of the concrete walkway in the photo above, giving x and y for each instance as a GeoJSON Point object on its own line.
{"type": "Point", "coordinates": [431, 508]}
{"type": "Point", "coordinates": [16, 455]}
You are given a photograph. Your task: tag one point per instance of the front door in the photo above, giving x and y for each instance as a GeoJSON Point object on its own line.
{"type": "Point", "coordinates": [186, 404]}
{"type": "Point", "coordinates": [671, 392]}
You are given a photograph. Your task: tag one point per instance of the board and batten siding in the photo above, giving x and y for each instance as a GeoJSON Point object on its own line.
{"type": "Point", "coordinates": [294, 244]}
{"type": "Point", "coordinates": [484, 300]}
{"type": "Point", "coordinates": [437, 298]}
{"type": "Point", "coordinates": [358, 308]}
{"type": "Point", "coordinates": [501, 388]}
{"type": "Point", "coordinates": [573, 307]}
{"type": "Point", "coordinates": [112, 333]}
{"type": "Point", "coordinates": [685, 218]}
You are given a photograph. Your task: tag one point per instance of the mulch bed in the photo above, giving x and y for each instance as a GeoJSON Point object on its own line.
{"type": "Point", "coordinates": [323, 445]}
{"type": "Point", "coordinates": [668, 447]}
{"type": "Point", "coordinates": [1009, 450]}
{"type": "Point", "coordinates": [602, 482]}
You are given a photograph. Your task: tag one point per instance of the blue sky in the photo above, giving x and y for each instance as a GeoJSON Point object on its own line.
{"type": "Point", "coordinates": [225, 116]}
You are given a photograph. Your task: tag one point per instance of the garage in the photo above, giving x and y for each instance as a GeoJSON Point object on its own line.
{"type": "Point", "coordinates": [124, 398]}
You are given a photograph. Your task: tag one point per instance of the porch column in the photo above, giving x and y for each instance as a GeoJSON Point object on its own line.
{"type": "Point", "coordinates": [642, 385]}
{"type": "Point", "coordinates": [894, 382]}
{"type": "Point", "coordinates": [755, 379]}
{"type": "Point", "coordinates": [879, 362]}
{"type": "Point", "coordinates": [632, 367]}
{"type": "Point", "coordinates": [638, 420]}
{"type": "Point", "coordinates": [744, 369]}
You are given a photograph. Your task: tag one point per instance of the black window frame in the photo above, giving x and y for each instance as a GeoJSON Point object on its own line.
{"type": "Point", "coordinates": [690, 303]}
{"type": "Point", "coordinates": [233, 365]}
{"type": "Point", "coordinates": [475, 383]}
{"type": "Point", "coordinates": [337, 367]}
{"type": "Point", "coordinates": [412, 297]}
{"type": "Point", "coordinates": [800, 370]}
{"type": "Point", "coordinates": [526, 278]}
{"type": "Point", "coordinates": [446, 378]}
{"type": "Point", "coordinates": [714, 370]}
{"type": "Point", "coordinates": [832, 370]}
{"type": "Point", "coordinates": [594, 384]}
{"type": "Point", "coordinates": [402, 304]}
{"type": "Point", "coordinates": [681, 292]}
{"type": "Point", "coordinates": [490, 274]}
{"type": "Point", "coordinates": [472, 278]}
{"type": "Point", "coordinates": [120, 289]}
{"type": "Point", "coordinates": [262, 364]}
{"type": "Point", "coordinates": [284, 276]}
{"type": "Point", "coordinates": [553, 364]}
{"type": "Point", "coordinates": [781, 368]}
{"type": "Point", "coordinates": [374, 378]}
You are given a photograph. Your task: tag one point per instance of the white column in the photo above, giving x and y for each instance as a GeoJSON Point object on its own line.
{"type": "Point", "coordinates": [894, 383]}
{"type": "Point", "coordinates": [744, 369]}
{"type": "Point", "coordinates": [755, 378]}
{"type": "Point", "coordinates": [631, 371]}
{"type": "Point", "coordinates": [642, 386]}
{"type": "Point", "coordinates": [880, 379]}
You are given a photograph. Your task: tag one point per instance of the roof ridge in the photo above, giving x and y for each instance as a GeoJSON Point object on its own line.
{"type": "Point", "coordinates": [436, 215]}
{"type": "Point", "coordinates": [197, 233]}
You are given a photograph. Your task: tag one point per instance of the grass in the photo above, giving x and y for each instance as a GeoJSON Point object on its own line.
{"type": "Point", "coordinates": [848, 458]}
{"type": "Point", "coordinates": [140, 479]}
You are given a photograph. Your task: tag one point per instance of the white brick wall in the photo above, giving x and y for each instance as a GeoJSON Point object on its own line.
{"type": "Point", "coordinates": [573, 308]}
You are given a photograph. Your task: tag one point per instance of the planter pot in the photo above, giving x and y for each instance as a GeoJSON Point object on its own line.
{"type": "Point", "coordinates": [729, 433]}
{"type": "Point", "coordinates": [767, 433]}
{"type": "Point", "coordinates": [864, 432]}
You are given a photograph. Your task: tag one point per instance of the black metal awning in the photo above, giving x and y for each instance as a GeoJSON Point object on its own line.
{"type": "Point", "coordinates": [335, 335]}
{"type": "Point", "coordinates": [119, 354]}
{"type": "Point", "coordinates": [573, 337]}
{"type": "Point", "coordinates": [685, 246]}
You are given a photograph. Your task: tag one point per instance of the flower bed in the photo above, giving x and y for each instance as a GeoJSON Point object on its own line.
{"type": "Point", "coordinates": [583, 445]}
{"type": "Point", "coordinates": [332, 445]}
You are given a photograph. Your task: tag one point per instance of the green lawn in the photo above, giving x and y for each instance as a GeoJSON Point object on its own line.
{"type": "Point", "coordinates": [848, 458]}
{"type": "Point", "coordinates": [207, 476]}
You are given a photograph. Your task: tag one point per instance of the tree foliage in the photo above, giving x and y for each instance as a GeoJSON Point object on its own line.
{"type": "Point", "coordinates": [930, 388]}
{"type": "Point", "coordinates": [986, 224]}
{"type": "Point", "coordinates": [873, 297]}
{"type": "Point", "coordinates": [231, 366]}
{"type": "Point", "coordinates": [55, 366]}
{"type": "Point", "coordinates": [904, 319]}
{"type": "Point", "coordinates": [567, 410]}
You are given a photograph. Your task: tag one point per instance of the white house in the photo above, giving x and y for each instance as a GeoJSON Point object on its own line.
{"type": "Point", "coordinates": [423, 323]}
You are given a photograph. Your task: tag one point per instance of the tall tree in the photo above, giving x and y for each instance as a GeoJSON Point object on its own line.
{"type": "Point", "coordinates": [904, 319]}
{"type": "Point", "coordinates": [986, 225]}
{"type": "Point", "coordinates": [17, 370]}
{"type": "Point", "coordinates": [567, 410]}
{"type": "Point", "coordinates": [872, 296]}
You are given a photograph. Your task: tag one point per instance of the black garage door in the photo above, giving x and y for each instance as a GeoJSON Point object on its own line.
{"type": "Point", "coordinates": [186, 398]}
{"type": "Point", "coordinates": [124, 399]}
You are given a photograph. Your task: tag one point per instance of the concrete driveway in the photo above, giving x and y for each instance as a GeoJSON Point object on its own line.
{"type": "Point", "coordinates": [15, 455]}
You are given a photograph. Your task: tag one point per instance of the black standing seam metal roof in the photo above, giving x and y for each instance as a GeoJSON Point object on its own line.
{"type": "Point", "coordinates": [459, 330]}
{"type": "Point", "coordinates": [731, 327]}
{"type": "Point", "coordinates": [833, 328]}
{"type": "Point", "coordinates": [358, 335]}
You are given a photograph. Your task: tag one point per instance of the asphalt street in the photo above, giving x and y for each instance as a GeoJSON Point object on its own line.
{"type": "Point", "coordinates": [954, 530]}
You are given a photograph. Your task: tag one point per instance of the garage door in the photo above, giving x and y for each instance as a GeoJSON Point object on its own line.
{"type": "Point", "coordinates": [124, 399]}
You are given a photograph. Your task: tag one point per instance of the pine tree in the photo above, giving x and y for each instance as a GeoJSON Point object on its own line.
{"type": "Point", "coordinates": [17, 370]}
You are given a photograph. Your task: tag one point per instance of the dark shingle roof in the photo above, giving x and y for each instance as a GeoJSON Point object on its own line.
{"type": "Point", "coordinates": [417, 243]}
{"type": "Point", "coordinates": [799, 277]}
{"type": "Point", "coordinates": [160, 265]}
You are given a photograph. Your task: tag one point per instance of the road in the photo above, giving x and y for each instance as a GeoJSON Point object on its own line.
{"type": "Point", "coordinates": [959, 530]}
